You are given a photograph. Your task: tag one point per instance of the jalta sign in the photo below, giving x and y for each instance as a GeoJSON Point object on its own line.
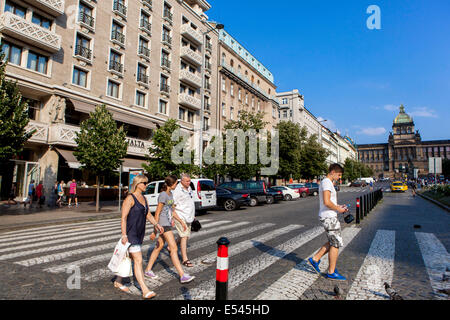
{"type": "Point", "coordinates": [133, 143]}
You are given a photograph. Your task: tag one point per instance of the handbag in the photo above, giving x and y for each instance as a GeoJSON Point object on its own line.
{"type": "Point", "coordinates": [349, 218]}
{"type": "Point", "coordinates": [125, 270]}
{"type": "Point", "coordinates": [196, 226]}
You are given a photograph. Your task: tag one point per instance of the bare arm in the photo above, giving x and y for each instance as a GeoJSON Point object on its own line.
{"type": "Point", "coordinates": [127, 204]}
{"type": "Point", "coordinates": [327, 202]}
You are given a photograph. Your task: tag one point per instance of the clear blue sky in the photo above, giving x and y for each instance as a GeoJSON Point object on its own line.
{"type": "Point", "coordinates": [348, 74]}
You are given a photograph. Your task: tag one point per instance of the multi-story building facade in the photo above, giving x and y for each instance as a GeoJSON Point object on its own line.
{"type": "Point", "coordinates": [404, 152]}
{"type": "Point", "coordinates": [143, 59]}
{"type": "Point", "coordinates": [244, 83]}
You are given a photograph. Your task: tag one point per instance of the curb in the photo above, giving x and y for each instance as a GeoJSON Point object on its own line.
{"type": "Point", "coordinates": [443, 206]}
{"type": "Point", "coordinates": [12, 227]}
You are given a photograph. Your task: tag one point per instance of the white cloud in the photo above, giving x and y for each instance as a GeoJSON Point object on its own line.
{"type": "Point", "coordinates": [372, 131]}
{"type": "Point", "coordinates": [391, 107]}
{"type": "Point", "coordinates": [423, 112]}
{"type": "Point", "coordinates": [330, 124]}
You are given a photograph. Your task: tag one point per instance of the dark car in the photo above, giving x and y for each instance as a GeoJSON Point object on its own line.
{"type": "Point", "coordinates": [313, 188]}
{"type": "Point", "coordinates": [358, 183]}
{"type": "Point", "coordinates": [302, 189]}
{"type": "Point", "coordinates": [256, 189]}
{"type": "Point", "coordinates": [274, 195]}
{"type": "Point", "coordinates": [231, 199]}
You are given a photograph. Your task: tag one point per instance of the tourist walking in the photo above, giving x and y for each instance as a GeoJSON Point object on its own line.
{"type": "Point", "coordinates": [40, 194]}
{"type": "Point", "coordinates": [134, 215]}
{"type": "Point", "coordinates": [31, 194]}
{"type": "Point", "coordinates": [185, 210]}
{"type": "Point", "coordinates": [60, 189]}
{"type": "Point", "coordinates": [165, 215]}
{"type": "Point", "coordinates": [328, 217]}
{"type": "Point", "coordinates": [73, 192]}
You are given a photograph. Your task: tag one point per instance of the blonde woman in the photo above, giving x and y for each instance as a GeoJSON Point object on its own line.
{"type": "Point", "coordinates": [166, 216]}
{"type": "Point", "coordinates": [134, 216]}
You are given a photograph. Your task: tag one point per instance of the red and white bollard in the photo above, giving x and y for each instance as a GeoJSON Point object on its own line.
{"type": "Point", "coordinates": [222, 269]}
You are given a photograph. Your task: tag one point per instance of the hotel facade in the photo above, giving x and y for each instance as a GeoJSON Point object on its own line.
{"type": "Point", "coordinates": [145, 60]}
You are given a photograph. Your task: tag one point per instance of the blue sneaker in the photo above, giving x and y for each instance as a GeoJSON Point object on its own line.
{"type": "Point", "coordinates": [336, 276]}
{"type": "Point", "coordinates": [315, 265]}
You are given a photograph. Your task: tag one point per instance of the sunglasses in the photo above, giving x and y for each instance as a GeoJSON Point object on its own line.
{"type": "Point", "coordinates": [144, 183]}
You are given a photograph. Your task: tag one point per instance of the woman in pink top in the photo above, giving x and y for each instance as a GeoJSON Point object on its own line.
{"type": "Point", "coordinates": [39, 193]}
{"type": "Point", "coordinates": [73, 192]}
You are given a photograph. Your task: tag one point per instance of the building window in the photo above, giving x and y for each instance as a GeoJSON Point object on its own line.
{"type": "Point", "coordinates": [143, 47]}
{"type": "Point", "coordinates": [82, 47]}
{"type": "Point", "coordinates": [142, 73]}
{"type": "Point", "coordinates": [166, 35]}
{"type": "Point", "coordinates": [85, 15]}
{"type": "Point", "coordinates": [284, 101]}
{"type": "Point", "coordinates": [162, 107]}
{"type": "Point", "coordinates": [223, 110]}
{"type": "Point", "coordinates": [117, 33]}
{"type": "Point", "coordinates": [37, 62]}
{"type": "Point", "coordinates": [140, 98]}
{"type": "Point", "coordinates": [41, 21]}
{"type": "Point", "coordinates": [232, 89]}
{"type": "Point", "coordinates": [231, 113]}
{"type": "Point", "coordinates": [164, 84]}
{"type": "Point", "coordinates": [16, 9]}
{"type": "Point", "coordinates": [79, 77]}
{"type": "Point", "coordinates": [190, 116]}
{"type": "Point", "coordinates": [165, 60]}
{"type": "Point", "coordinates": [224, 88]}
{"type": "Point", "coordinates": [113, 89]}
{"type": "Point", "coordinates": [240, 94]}
{"type": "Point", "coordinates": [145, 22]}
{"type": "Point", "coordinates": [181, 113]}
{"type": "Point", "coordinates": [13, 53]}
{"type": "Point", "coordinates": [115, 61]}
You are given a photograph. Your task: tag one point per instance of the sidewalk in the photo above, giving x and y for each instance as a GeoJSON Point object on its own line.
{"type": "Point", "coordinates": [16, 216]}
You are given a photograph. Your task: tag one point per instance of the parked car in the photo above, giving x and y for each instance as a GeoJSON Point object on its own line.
{"type": "Point", "coordinates": [288, 193]}
{"type": "Point", "coordinates": [301, 189]}
{"type": "Point", "coordinates": [358, 183]}
{"type": "Point", "coordinates": [313, 188]}
{"type": "Point", "coordinates": [231, 199]}
{"type": "Point", "coordinates": [274, 195]}
{"type": "Point", "coordinates": [256, 189]}
{"type": "Point", "coordinates": [204, 194]}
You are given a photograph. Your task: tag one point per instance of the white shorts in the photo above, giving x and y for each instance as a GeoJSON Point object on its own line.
{"type": "Point", "coordinates": [135, 248]}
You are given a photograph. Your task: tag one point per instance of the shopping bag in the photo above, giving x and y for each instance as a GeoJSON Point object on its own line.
{"type": "Point", "coordinates": [119, 254]}
{"type": "Point", "coordinates": [125, 270]}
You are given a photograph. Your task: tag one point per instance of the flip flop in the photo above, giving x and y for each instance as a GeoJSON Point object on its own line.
{"type": "Point", "coordinates": [188, 264]}
{"type": "Point", "coordinates": [149, 295]}
{"type": "Point", "coordinates": [121, 287]}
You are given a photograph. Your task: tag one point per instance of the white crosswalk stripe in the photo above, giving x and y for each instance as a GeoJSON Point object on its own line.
{"type": "Point", "coordinates": [377, 268]}
{"type": "Point", "coordinates": [293, 284]}
{"type": "Point", "coordinates": [436, 259]}
{"type": "Point", "coordinates": [89, 245]}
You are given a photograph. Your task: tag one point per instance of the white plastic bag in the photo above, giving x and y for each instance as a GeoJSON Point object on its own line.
{"type": "Point", "coordinates": [125, 270]}
{"type": "Point", "coordinates": [120, 252]}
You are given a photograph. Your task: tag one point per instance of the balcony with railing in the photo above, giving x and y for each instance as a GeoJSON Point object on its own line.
{"type": "Point", "coordinates": [167, 39]}
{"type": "Point", "coordinates": [29, 32]}
{"type": "Point", "coordinates": [120, 8]}
{"type": "Point", "coordinates": [142, 77]}
{"type": "Point", "coordinates": [191, 56]}
{"type": "Point", "coordinates": [118, 36]}
{"type": "Point", "coordinates": [83, 52]}
{"type": "Point", "coordinates": [165, 63]}
{"type": "Point", "coordinates": [146, 25]}
{"type": "Point", "coordinates": [191, 78]}
{"type": "Point", "coordinates": [53, 7]}
{"type": "Point", "coordinates": [168, 15]}
{"type": "Point", "coordinates": [164, 88]}
{"type": "Point", "coordinates": [40, 134]}
{"type": "Point", "coordinates": [86, 19]}
{"type": "Point", "coordinates": [144, 51]}
{"type": "Point", "coordinates": [115, 66]}
{"type": "Point", "coordinates": [189, 101]}
{"type": "Point", "coordinates": [192, 34]}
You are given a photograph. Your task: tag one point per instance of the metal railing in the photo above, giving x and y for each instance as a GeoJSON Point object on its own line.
{"type": "Point", "coordinates": [86, 19]}
{"type": "Point", "coordinates": [164, 88]}
{"type": "Point", "coordinates": [142, 77]}
{"type": "Point", "coordinates": [144, 51]}
{"type": "Point", "coordinates": [166, 38]}
{"type": "Point", "coordinates": [83, 52]}
{"type": "Point", "coordinates": [116, 35]}
{"type": "Point", "coordinates": [146, 24]}
{"type": "Point", "coordinates": [116, 66]}
{"type": "Point", "coordinates": [165, 62]}
{"type": "Point", "coordinates": [120, 8]}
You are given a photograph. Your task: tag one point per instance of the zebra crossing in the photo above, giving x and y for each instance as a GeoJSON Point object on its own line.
{"type": "Point", "coordinates": [89, 246]}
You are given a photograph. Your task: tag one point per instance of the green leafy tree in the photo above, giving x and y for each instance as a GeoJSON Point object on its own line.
{"type": "Point", "coordinates": [100, 145]}
{"type": "Point", "coordinates": [160, 163]}
{"type": "Point", "coordinates": [13, 116]}
{"type": "Point", "coordinates": [292, 138]}
{"type": "Point", "coordinates": [313, 158]}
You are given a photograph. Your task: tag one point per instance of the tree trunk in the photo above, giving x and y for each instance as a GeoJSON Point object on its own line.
{"type": "Point", "coordinates": [97, 200]}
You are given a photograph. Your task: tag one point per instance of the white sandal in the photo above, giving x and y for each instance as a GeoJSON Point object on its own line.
{"type": "Point", "coordinates": [121, 287]}
{"type": "Point", "coordinates": [149, 295]}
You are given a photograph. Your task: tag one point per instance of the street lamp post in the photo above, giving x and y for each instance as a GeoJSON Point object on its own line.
{"type": "Point", "coordinates": [202, 95]}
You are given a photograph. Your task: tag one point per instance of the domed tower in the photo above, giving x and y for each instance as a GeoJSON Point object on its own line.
{"type": "Point", "coordinates": [403, 127]}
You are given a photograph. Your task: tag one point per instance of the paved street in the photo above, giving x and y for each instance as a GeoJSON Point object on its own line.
{"type": "Point", "coordinates": [404, 241]}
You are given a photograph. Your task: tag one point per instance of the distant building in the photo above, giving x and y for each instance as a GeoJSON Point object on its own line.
{"type": "Point", "coordinates": [404, 152]}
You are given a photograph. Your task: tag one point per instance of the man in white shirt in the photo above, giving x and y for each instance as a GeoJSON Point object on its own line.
{"type": "Point", "coordinates": [328, 217]}
{"type": "Point", "coordinates": [185, 209]}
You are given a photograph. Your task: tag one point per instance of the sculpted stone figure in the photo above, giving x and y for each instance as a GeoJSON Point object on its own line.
{"type": "Point", "coordinates": [57, 109]}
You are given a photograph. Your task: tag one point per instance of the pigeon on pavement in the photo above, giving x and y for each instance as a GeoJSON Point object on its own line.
{"type": "Point", "coordinates": [391, 292]}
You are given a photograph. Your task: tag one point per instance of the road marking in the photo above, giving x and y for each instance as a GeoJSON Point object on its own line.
{"type": "Point", "coordinates": [107, 256]}
{"type": "Point", "coordinates": [116, 236]}
{"type": "Point", "coordinates": [377, 268]}
{"type": "Point", "coordinates": [205, 291]}
{"type": "Point", "coordinates": [170, 274]}
{"type": "Point", "coordinates": [293, 284]}
{"type": "Point", "coordinates": [436, 259]}
{"type": "Point", "coordinates": [62, 228]}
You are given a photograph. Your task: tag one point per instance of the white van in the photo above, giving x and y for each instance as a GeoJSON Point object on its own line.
{"type": "Point", "coordinates": [204, 193]}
